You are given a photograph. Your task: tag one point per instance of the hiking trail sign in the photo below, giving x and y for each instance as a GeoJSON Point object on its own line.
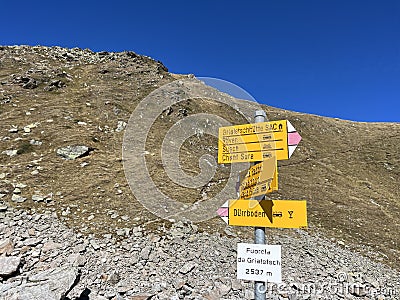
{"type": "Point", "coordinates": [260, 179]}
{"type": "Point", "coordinates": [264, 143]}
{"type": "Point", "coordinates": [257, 142]}
{"type": "Point", "coordinates": [265, 213]}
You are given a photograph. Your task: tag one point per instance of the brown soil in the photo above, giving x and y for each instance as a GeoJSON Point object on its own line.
{"type": "Point", "coordinates": [348, 172]}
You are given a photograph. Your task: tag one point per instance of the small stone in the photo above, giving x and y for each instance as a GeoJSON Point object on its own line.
{"type": "Point", "coordinates": [36, 253]}
{"type": "Point", "coordinates": [137, 231]}
{"type": "Point", "coordinates": [35, 143]}
{"type": "Point", "coordinates": [10, 153]}
{"type": "Point", "coordinates": [144, 254]}
{"type": "Point", "coordinates": [34, 172]}
{"type": "Point", "coordinates": [81, 248]}
{"type": "Point", "coordinates": [48, 198]}
{"type": "Point", "coordinates": [31, 242]}
{"type": "Point", "coordinates": [120, 126]}
{"type": "Point", "coordinates": [214, 295]}
{"type": "Point", "coordinates": [37, 198]}
{"type": "Point", "coordinates": [186, 268]}
{"type": "Point", "coordinates": [3, 206]}
{"type": "Point", "coordinates": [28, 128]}
{"type": "Point", "coordinates": [17, 198]}
{"type": "Point", "coordinates": [3, 175]}
{"type": "Point", "coordinates": [248, 294]}
{"type": "Point", "coordinates": [66, 212]}
{"type": "Point", "coordinates": [178, 283]}
{"type": "Point", "coordinates": [120, 232]}
{"type": "Point", "coordinates": [20, 185]}
{"type": "Point", "coordinates": [73, 152]}
{"type": "Point", "coordinates": [236, 285]}
{"type": "Point", "coordinates": [80, 261]}
{"type": "Point", "coordinates": [6, 246]}
{"type": "Point", "coordinates": [13, 129]}
{"type": "Point", "coordinates": [114, 278]}
{"type": "Point", "coordinates": [51, 246]}
{"type": "Point", "coordinates": [56, 84]}
{"type": "Point", "coordinates": [91, 217]}
{"type": "Point", "coordinates": [17, 191]}
{"type": "Point", "coordinates": [223, 289]}
{"type": "Point", "coordinates": [31, 84]}
{"type": "Point", "coordinates": [229, 231]}
{"type": "Point", "coordinates": [94, 245]}
{"type": "Point", "coordinates": [111, 295]}
{"type": "Point", "coordinates": [9, 265]}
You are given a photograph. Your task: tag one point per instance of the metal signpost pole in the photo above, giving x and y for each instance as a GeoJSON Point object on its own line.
{"type": "Point", "coordinates": [259, 232]}
{"type": "Point", "coordinates": [266, 144]}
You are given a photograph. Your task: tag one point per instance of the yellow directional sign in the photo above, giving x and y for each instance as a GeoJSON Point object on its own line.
{"type": "Point", "coordinates": [256, 142]}
{"type": "Point", "coordinates": [261, 179]}
{"type": "Point", "coordinates": [265, 213]}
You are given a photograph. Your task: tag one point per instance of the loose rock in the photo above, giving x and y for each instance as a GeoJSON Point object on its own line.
{"type": "Point", "coordinates": [9, 265]}
{"type": "Point", "coordinates": [73, 152]}
{"type": "Point", "coordinates": [17, 198]}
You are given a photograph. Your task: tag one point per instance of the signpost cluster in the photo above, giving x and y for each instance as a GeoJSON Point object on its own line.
{"type": "Point", "coordinates": [263, 144]}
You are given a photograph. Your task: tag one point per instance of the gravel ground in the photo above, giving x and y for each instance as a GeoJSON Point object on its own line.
{"type": "Point", "coordinates": [43, 259]}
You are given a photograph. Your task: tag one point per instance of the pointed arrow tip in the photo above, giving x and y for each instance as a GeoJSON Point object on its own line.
{"type": "Point", "coordinates": [294, 138]}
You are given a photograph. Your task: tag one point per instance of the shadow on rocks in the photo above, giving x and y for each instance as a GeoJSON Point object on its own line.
{"type": "Point", "coordinates": [83, 296]}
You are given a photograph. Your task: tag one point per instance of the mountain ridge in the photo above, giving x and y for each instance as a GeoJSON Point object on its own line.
{"type": "Point", "coordinates": [347, 171]}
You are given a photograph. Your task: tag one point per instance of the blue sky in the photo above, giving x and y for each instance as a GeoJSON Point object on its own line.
{"type": "Point", "coordinates": [333, 58]}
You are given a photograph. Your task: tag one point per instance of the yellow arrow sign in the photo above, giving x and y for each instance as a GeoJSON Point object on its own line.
{"type": "Point", "coordinates": [265, 213]}
{"type": "Point", "coordinates": [256, 142]}
{"type": "Point", "coordinates": [261, 179]}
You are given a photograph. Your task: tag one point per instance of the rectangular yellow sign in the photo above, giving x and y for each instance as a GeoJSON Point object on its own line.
{"type": "Point", "coordinates": [253, 142]}
{"type": "Point", "coordinates": [268, 213]}
{"type": "Point", "coordinates": [255, 128]}
{"type": "Point", "coordinates": [261, 179]}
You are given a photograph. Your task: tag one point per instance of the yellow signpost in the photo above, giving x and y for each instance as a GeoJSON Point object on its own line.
{"type": "Point", "coordinates": [265, 143]}
{"type": "Point", "coordinates": [257, 142]}
{"type": "Point", "coordinates": [268, 213]}
{"type": "Point", "coordinates": [261, 179]}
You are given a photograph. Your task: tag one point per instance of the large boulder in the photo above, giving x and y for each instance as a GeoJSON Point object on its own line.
{"type": "Point", "coordinates": [51, 284]}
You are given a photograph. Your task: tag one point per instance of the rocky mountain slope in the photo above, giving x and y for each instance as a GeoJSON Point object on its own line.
{"type": "Point", "coordinates": [54, 99]}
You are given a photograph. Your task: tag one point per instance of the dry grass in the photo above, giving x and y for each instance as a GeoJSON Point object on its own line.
{"type": "Point", "coordinates": [349, 172]}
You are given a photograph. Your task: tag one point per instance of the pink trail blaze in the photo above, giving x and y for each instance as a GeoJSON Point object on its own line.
{"type": "Point", "coordinates": [294, 138]}
{"type": "Point", "coordinates": [222, 212]}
